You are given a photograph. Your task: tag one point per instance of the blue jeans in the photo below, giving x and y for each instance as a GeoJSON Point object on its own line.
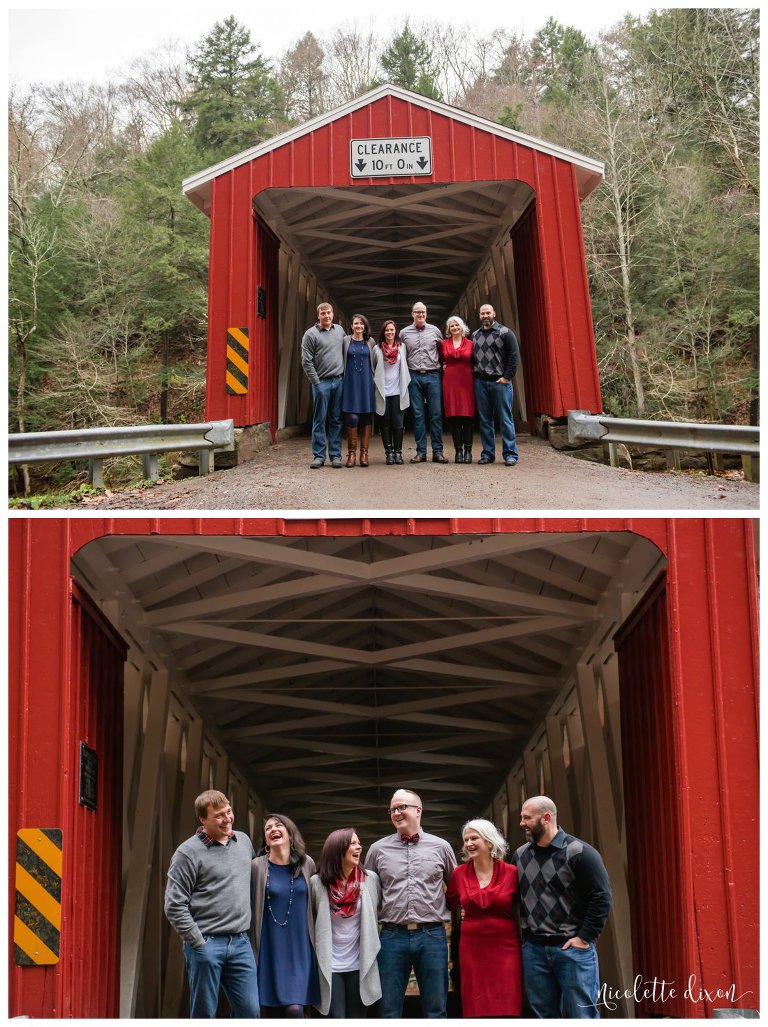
{"type": "Point", "coordinates": [427, 401]}
{"type": "Point", "coordinates": [561, 982]}
{"type": "Point", "coordinates": [226, 961]}
{"type": "Point", "coordinates": [326, 417]}
{"type": "Point", "coordinates": [425, 951]}
{"type": "Point", "coordinates": [495, 399]}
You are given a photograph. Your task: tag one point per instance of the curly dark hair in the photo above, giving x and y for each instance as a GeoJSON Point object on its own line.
{"type": "Point", "coordinates": [298, 849]}
{"type": "Point", "coordinates": [366, 323]}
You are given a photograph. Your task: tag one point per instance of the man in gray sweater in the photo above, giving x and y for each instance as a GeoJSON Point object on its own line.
{"type": "Point", "coordinates": [323, 362]}
{"type": "Point", "coordinates": [208, 903]}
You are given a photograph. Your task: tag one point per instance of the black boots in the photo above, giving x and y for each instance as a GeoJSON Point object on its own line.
{"type": "Point", "coordinates": [389, 449]}
{"type": "Point", "coordinates": [397, 443]}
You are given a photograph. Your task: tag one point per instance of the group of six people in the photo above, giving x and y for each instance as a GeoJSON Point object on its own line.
{"type": "Point", "coordinates": [279, 935]}
{"type": "Point", "coordinates": [419, 367]}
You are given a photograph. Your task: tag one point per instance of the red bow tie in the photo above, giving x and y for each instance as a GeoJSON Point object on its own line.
{"type": "Point", "coordinates": [412, 838]}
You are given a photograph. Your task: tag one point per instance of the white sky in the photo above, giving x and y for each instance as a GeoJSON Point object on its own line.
{"type": "Point", "coordinates": [54, 43]}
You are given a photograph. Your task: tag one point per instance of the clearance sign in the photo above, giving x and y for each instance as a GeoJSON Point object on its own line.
{"type": "Point", "coordinates": [382, 158]}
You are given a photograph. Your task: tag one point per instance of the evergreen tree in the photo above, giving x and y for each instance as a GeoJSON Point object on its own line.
{"type": "Point", "coordinates": [234, 92]}
{"type": "Point", "coordinates": [167, 269]}
{"type": "Point", "coordinates": [558, 54]}
{"type": "Point", "coordinates": [408, 62]}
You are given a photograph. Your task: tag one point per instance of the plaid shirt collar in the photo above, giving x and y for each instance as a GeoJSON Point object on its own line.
{"type": "Point", "coordinates": [206, 839]}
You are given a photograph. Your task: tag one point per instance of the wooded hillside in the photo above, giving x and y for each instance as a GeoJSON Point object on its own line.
{"type": "Point", "coordinates": [108, 262]}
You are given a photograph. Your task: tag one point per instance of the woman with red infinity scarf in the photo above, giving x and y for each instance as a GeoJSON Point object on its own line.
{"type": "Point", "coordinates": [345, 900]}
{"type": "Point", "coordinates": [391, 377]}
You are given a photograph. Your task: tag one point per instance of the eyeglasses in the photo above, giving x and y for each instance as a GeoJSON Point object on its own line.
{"type": "Point", "coordinates": [401, 809]}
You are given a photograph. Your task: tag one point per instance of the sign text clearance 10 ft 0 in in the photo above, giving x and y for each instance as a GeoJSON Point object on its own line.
{"type": "Point", "coordinates": [383, 158]}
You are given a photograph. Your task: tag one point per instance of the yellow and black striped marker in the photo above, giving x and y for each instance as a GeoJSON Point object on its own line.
{"type": "Point", "coordinates": [238, 347]}
{"type": "Point", "coordinates": [37, 924]}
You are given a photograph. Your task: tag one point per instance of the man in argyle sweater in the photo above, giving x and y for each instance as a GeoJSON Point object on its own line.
{"type": "Point", "coordinates": [565, 899]}
{"type": "Point", "coordinates": [495, 358]}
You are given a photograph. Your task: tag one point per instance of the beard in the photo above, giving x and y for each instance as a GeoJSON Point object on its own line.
{"type": "Point", "coordinates": [535, 831]}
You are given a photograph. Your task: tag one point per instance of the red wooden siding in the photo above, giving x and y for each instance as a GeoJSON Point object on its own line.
{"type": "Point", "coordinates": [565, 375]}
{"type": "Point", "coordinates": [95, 838]}
{"type": "Point", "coordinates": [66, 666]}
{"type": "Point", "coordinates": [536, 352]}
{"type": "Point", "coordinates": [652, 802]}
{"type": "Point", "coordinates": [690, 674]}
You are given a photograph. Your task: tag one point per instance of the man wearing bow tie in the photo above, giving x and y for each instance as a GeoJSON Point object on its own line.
{"type": "Point", "coordinates": [414, 868]}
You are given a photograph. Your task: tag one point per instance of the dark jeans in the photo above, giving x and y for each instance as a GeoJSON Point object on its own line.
{"type": "Point", "coordinates": [425, 951]}
{"type": "Point", "coordinates": [561, 982]}
{"type": "Point", "coordinates": [225, 961]}
{"type": "Point", "coordinates": [426, 395]}
{"type": "Point", "coordinates": [392, 417]}
{"type": "Point", "coordinates": [326, 417]}
{"type": "Point", "coordinates": [495, 399]}
{"type": "Point", "coordinates": [346, 1003]}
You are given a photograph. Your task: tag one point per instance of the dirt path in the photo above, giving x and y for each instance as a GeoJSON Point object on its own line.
{"type": "Point", "coordinates": [280, 479]}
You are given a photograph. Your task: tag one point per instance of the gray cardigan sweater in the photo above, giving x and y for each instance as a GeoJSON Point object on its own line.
{"type": "Point", "coordinates": [370, 897]}
{"type": "Point", "coordinates": [258, 891]}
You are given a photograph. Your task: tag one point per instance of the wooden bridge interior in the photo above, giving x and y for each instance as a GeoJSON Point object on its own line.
{"type": "Point", "coordinates": [313, 676]}
{"type": "Point", "coordinates": [382, 247]}
{"type": "Point", "coordinates": [377, 249]}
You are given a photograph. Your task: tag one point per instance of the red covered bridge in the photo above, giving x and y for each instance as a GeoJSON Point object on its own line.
{"type": "Point", "coordinates": [391, 198]}
{"type": "Point", "coordinates": [312, 666]}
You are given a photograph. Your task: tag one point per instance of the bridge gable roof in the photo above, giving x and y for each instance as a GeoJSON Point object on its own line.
{"type": "Point", "coordinates": [589, 172]}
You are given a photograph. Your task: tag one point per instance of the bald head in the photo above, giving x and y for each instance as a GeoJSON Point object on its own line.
{"type": "Point", "coordinates": [541, 804]}
{"type": "Point", "coordinates": [538, 818]}
{"type": "Point", "coordinates": [405, 811]}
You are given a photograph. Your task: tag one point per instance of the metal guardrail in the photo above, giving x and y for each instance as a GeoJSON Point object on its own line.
{"type": "Point", "coordinates": [97, 444]}
{"type": "Point", "coordinates": [716, 438]}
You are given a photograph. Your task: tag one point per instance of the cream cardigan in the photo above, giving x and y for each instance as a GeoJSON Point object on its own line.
{"type": "Point", "coordinates": [370, 897]}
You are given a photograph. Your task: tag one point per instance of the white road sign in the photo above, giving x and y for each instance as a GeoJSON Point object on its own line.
{"type": "Point", "coordinates": [383, 158]}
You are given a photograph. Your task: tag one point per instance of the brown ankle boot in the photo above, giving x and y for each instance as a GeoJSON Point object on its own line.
{"type": "Point", "coordinates": [365, 441]}
{"type": "Point", "coordinates": [352, 436]}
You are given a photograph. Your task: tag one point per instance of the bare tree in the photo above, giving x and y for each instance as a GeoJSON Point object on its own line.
{"type": "Point", "coordinates": [353, 52]}
{"type": "Point", "coordinates": [303, 79]}
{"type": "Point", "coordinates": [153, 89]}
{"type": "Point", "coordinates": [468, 59]}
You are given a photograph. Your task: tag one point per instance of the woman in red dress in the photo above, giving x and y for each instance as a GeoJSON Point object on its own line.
{"type": "Point", "coordinates": [458, 387]}
{"type": "Point", "coordinates": [489, 945]}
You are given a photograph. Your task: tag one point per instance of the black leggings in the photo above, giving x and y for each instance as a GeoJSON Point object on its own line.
{"type": "Point", "coordinates": [461, 430]}
{"type": "Point", "coordinates": [357, 420]}
{"type": "Point", "coordinates": [393, 415]}
{"type": "Point", "coordinates": [346, 1003]}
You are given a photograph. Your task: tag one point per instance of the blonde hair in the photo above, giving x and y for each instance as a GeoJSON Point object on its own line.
{"type": "Point", "coordinates": [464, 325]}
{"type": "Point", "coordinates": [490, 833]}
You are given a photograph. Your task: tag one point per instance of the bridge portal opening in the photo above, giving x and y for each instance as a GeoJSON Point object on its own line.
{"type": "Point", "coordinates": [375, 250]}
{"type": "Point", "coordinates": [314, 675]}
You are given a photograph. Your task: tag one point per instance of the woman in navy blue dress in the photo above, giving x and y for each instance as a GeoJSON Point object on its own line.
{"type": "Point", "coordinates": [358, 399]}
{"type": "Point", "coordinates": [282, 924]}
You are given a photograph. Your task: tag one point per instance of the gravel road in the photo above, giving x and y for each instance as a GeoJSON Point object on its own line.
{"type": "Point", "coordinates": [545, 479]}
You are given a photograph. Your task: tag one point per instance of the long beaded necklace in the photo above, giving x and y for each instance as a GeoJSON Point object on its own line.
{"type": "Point", "coordinates": [358, 356]}
{"type": "Point", "coordinates": [269, 901]}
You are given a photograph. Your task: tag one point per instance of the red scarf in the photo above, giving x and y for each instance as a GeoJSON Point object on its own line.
{"type": "Point", "coordinates": [344, 895]}
{"type": "Point", "coordinates": [390, 351]}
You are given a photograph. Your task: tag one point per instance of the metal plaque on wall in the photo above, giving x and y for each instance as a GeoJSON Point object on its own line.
{"type": "Point", "coordinates": [89, 776]}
